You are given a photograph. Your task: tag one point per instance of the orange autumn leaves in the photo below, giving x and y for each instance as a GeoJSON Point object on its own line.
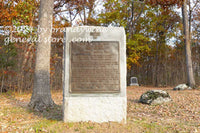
{"type": "Point", "coordinates": [7, 12]}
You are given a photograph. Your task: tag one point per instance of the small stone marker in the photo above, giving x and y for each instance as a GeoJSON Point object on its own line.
{"type": "Point", "coordinates": [94, 83]}
{"type": "Point", "coordinates": [134, 81]}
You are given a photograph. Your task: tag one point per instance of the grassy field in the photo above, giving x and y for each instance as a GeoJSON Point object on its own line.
{"type": "Point", "coordinates": [180, 115]}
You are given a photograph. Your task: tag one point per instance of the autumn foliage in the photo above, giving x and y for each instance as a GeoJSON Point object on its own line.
{"type": "Point", "coordinates": [165, 3]}
{"type": "Point", "coordinates": [155, 41]}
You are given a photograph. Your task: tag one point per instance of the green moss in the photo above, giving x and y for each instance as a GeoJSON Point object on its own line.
{"type": "Point", "coordinates": [154, 95]}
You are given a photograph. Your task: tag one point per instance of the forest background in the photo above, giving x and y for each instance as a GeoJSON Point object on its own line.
{"type": "Point", "coordinates": [155, 40]}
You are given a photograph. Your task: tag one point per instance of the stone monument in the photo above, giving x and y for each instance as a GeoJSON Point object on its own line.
{"type": "Point", "coordinates": [94, 77]}
{"type": "Point", "coordinates": [134, 81]}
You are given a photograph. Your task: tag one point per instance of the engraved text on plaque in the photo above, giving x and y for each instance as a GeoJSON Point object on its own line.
{"type": "Point", "coordinates": [94, 67]}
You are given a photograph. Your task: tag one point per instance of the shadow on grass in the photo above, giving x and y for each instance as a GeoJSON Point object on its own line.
{"type": "Point", "coordinates": [54, 113]}
{"type": "Point", "coordinates": [133, 100]}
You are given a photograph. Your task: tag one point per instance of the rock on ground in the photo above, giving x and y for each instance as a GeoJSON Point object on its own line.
{"type": "Point", "coordinates": [155, 97]}
{"type": "Point", "coordinates": [182, 87]}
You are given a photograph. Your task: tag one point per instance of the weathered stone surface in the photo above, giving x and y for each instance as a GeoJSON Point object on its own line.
{"type": "Point", "coordinates": [134, 81]}
{"type": "Point", "coordinates": [94, 76]}
{"type": "Point", "coordinates": [155, 97]}
{"type": "Point", "coordinates": [96, 109]}
{"type": "Point", "coordinates": [182, 87]}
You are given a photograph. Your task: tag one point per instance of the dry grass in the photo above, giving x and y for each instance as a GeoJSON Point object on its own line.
{"type": "Point", "coordinates": [180, 115]}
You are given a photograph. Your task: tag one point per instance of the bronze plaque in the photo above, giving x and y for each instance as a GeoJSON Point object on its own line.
{"type": "Point", "coordinates": [94, 67]}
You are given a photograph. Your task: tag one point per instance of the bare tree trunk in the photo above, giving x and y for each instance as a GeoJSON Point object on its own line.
{"type": "Point", "coordinates": [156, 62]}
{"type": "Point", "coordinates": [2, 83]}
{"type": "Point", "coordinates": [190, 76]}
{"type": "Point", "coordinates": [41, 96]}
